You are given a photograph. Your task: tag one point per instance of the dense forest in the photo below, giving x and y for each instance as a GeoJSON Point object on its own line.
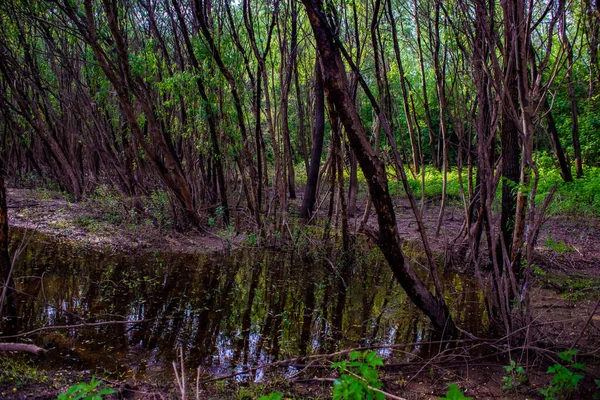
{"type": "Point", "coordinates": [264, 116]}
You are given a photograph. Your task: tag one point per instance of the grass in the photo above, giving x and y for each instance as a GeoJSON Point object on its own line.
{"type": "Point", "coordinates": [582, 196]}
{"type": "Point", "coordinates": [16, 372]}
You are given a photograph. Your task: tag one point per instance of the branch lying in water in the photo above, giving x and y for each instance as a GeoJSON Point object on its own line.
{"type": "Point", "coordinates": [76, 326]}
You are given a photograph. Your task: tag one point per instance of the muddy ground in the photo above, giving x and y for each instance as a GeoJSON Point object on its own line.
{"type": "Point", "coordinates": [565, 302]}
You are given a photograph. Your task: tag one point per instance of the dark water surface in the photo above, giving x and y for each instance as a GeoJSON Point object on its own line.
{"type": "Point", "coordinates": [226, 311]}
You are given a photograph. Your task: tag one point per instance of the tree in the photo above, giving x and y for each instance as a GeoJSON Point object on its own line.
{"type": "Point", "coordinates": [338, 97]}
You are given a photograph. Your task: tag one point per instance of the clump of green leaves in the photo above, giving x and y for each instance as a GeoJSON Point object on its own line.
{"type": "Point", "coordinates": [454, 393]}
{"type": "Point", "coordinates": [515, 376]}
{"type": "Point", "coordinates": [86, 391]}
{"type": "Point", "coordinates": [359, 377]}
{"type": "Point", "coordinates": [565, 379]}
{"type": "Point", "coordinates": [559, 247]}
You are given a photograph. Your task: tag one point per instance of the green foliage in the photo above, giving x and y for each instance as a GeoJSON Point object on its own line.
{"type": "Point", "coordinates": [580, 197]}
{"type": "Point", "coordinates": [109, 205]}
{"type": "Point", "coordinates": [159, 207]}
{"type": "Point", "coordinates": [537, 270]}
{"type": "Point", "coordinates": [90, 224]}
{"type": "Point", "coordinates": [17, 372]}
{"type": "Point", "coordinates": [86, 391]}
{"type": "Point", "coordinates": [433, 184]}
{"type": "Point", "coordinates": [359, 377]}
{"type": "Point", "coordinates": [454, 393]}
{"type": "Point", "coordinates": [577, 287]}
{"type": "Point", "coordinates": [251, 239]}
{"type": "Point", "coordinates": [596, 395]}
{"type": "Point", "coordinates": [515, 376]}
{"type": "Point", "coordinates": [272, 396]}
{"type": "Point", "coordinates": [564, 378]}
{"type": "Point", "coordinates": [559, 247]}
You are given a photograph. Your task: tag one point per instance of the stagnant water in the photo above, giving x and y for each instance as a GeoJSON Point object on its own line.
{"type": "Point", "coordinates": [226, 311]}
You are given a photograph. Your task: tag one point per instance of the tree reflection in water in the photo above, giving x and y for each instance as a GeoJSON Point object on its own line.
{"type": "Point", "coordinates": [226, 311]}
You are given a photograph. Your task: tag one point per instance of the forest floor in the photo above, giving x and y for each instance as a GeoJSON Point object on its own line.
{"type": "Point", "coordinates": [565, 296]}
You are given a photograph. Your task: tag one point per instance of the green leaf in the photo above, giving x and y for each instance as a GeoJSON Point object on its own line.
{"type": "Point", "coordinates": [454, 393]}
{"type": "Point", "coordinates": [272, 396]}
{"type": "Point", "coordinates": [567, 355]}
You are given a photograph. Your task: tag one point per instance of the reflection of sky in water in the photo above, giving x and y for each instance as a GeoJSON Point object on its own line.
{"type": "Point", "coordinates": [200, 304]}
{"type": "Point", "coordinates": [225, 349]}
{"type": "Point", "coordinates": [388, 341]}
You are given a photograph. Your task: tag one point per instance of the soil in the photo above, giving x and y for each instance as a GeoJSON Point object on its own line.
{"type": "Point", "coordinates": [565, 301]}
{"type": "Point", "coordinates": [52, 214]}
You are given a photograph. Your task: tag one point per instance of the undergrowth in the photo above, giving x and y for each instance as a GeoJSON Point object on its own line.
{"type": "Point", "coordinates": [17, 372]}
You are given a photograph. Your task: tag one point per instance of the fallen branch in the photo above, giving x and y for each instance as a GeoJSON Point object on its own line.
{"type": "Point", "coordinates": [78, 326]}
{"type": "Point", "coordinates": [22, 347]}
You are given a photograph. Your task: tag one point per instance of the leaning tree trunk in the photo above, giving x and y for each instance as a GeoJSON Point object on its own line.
{"type": "Point", "coordinates": [388, 240]}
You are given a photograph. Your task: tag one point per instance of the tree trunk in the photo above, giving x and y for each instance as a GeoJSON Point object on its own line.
{"type": "Point", "coordinates": [571, 88]}
{"type": "Point", "coordinates": [339, 99]}
{"type": "Point", "coordinates": [8, 305]}
{"type": "Point", "coordinates": [405, 104]}
{"type": "Point", "coordinates": [308, 202]}
{"type": "Point", "coordinates": [434, 157]}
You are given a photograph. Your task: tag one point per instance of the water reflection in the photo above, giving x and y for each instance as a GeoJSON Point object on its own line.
{"type": "Point", "coordinates": [226, 311]}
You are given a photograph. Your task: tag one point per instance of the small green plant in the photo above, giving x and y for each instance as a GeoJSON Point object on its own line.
{"type": "Point", "coordinates": [559, 247]}
{"type": "Point", "coordinates": [220, 213]}
{"type": "Point", "coordinates": [515, 376]}
{"type": "Point", "coordinates": [564, 378]}
{"type": "Point", "coordinates": [454, 393]}
{"type": "Point", "coordinates": [251, 239]}
{"type": "Point", "coordinates": [272, 396]}
{"type": "Point", "coordinates": [538, 271]}
{"type": "Point", "coordinates": [359, 377]}
{"type": "Point", "coordinates": [159, 207]}
{"type": "Point", "coordinates": [596, 395]}
{"type": "Point", "coordinates": [86, 391]}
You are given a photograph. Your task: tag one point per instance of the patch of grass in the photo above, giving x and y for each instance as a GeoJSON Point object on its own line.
{"type": "Point", "coordinates": [14, 371]}
{"type": "Point", "coordinates": [582, 196]}
{"type": "Point", "coordinates": [578, 288]}
{"type": "Point", "coordinates": [88, 223]}
{"type": "Point", "coordinates": [575, 287]}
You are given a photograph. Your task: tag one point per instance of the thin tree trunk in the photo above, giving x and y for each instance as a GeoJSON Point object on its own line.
{"type": "Point", "coordinates": [405, 104]}
{"type": "Point", "coordinates": [432, 139]}
{"type": "Point", "coordinates": [308, 202]}
{"type": "Point", "coordinates": [571, 88]}
{"type": "Point", "coordinates": [210, 114]}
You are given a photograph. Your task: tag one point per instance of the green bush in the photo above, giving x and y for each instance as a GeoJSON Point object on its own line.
{"type": "Point", "coordinates": [86, 391]}
{"type": "Point", "coordinates": [359, 377]}
{"type": "Point", "coordinates": [564, 378]}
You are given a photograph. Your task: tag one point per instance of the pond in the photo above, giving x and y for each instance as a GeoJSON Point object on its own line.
{"type": "Point", "coordinates": [227, 311]}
